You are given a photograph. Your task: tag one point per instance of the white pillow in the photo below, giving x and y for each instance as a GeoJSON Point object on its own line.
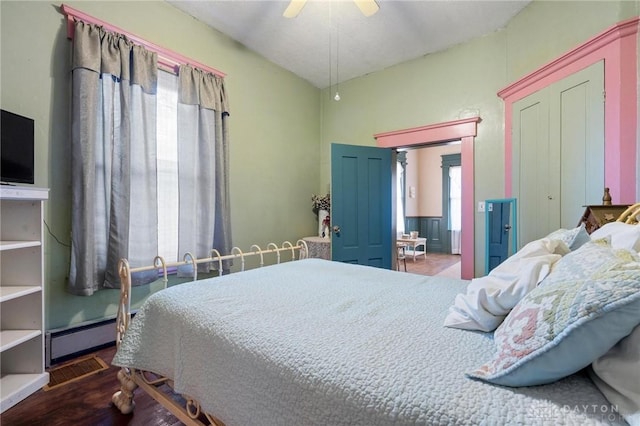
{"type": "Point", "coordinates": [489, 299]}
{"type": "Point", "coordinates": [617, 375]}
{"type": "Point", "coordinates": [573, 238]}
{"type": "Point", "coordinates": [623, 235]}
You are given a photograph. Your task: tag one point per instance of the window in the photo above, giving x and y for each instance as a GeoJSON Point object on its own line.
{"type": "Point", "coordinates": [124, 172]}
{"type": "Point", "coordinates": [167, 158]}
{"type": "Point", "coordinates": [455, 198]}
{"type": "Point", "coordinates": [400, 199]}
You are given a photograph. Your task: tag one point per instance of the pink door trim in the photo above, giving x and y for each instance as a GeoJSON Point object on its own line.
{"type": "Point", "coordinates": [617, 46]}
{"type": "Point", "coordinates": [466, 131]}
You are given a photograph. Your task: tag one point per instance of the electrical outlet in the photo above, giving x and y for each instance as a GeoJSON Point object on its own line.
{"type": "Point", "coordinates": [481, 206]}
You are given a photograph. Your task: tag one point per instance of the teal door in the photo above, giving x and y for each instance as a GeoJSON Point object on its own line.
{"type": "Point", "coordinates": [361, 188]}
{"type": "Point", "coordinates": [501, 231]}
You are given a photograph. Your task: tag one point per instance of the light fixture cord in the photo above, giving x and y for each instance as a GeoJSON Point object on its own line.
{"type": "Point", "coordinates": [330, 48]}
{"type": "Point", "coordinates": [337, 55]}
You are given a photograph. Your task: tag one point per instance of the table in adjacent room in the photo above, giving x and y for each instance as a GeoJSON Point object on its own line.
{"type": "Point", "coordinates": [413, 247]}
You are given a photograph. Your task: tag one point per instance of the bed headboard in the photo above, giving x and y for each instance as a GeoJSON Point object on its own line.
{"type": "Point", "coordinates": [631, 215]}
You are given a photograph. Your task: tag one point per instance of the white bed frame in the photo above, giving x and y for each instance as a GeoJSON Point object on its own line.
{"type": "Point", "coordinates": [158, 387]}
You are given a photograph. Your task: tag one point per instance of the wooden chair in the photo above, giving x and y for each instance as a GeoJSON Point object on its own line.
{"type": "Point", "coordinates": [402, 256]}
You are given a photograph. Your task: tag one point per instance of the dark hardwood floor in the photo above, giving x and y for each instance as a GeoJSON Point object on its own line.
{"type": "Point", "coordinates": [86, 402]}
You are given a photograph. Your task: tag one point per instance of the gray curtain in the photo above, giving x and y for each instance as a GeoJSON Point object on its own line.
{"type": "Point", "coordinates": [113, 157]}
{"type": "Point", "coordinates": [203, 163]}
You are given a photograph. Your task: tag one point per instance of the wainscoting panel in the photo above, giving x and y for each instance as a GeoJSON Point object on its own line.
{"type": "Point", "coordinates": [436, 234]}
{"type": "Point", "coordinates": [433, 228]}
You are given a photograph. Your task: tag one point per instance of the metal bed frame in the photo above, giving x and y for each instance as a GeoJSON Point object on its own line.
{"type": "Point", "coordinates": [185, 408]}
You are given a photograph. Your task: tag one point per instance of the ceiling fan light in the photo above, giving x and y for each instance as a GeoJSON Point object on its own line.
{"type": "Point", "coordinates": [367, 7]}
{"type": "Point", "coordinates": [295, 6]}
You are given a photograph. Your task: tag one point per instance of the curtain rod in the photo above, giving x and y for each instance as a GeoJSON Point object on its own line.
{"type": "Point", "coordinates": [166, 58]}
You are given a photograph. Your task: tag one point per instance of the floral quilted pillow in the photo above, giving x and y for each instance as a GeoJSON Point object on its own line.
{"type": "Point", "coordinates": [587, 304]}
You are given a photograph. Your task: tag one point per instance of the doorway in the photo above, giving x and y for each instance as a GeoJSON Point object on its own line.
{"type": "Point", "coordinates": [425, 194]}
{"type": "Point", "coordinates": [464, 130]}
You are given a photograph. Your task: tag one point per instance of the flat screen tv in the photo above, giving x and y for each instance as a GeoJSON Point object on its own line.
{"type": "Point", "coordinates": [16, 148]}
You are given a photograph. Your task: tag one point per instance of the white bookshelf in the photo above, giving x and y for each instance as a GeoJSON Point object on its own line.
{"type": "Point", "coordinates": [22, 369]}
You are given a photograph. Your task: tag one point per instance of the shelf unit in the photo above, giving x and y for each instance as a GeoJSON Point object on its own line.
{"type": "Point", "coordinates": [22, 370]}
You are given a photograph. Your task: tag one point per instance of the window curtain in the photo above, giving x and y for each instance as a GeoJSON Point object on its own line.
{"type": "Point", "coordinates": [455, 207]}
{"type": "Point", "coordinates": [113, 157]}
{"type": "Point", "coordinates": [203, 164]}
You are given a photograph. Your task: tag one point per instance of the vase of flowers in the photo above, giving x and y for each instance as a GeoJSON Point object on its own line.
{"type": "Point", "coordinates": [324, 220]}
{"type": "Point", "coordinates": [322, 207]}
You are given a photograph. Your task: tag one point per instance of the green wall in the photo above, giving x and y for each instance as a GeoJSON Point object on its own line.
{"type": "Point", "coordinates": [281, 126]}
{"type": "Point", "coordinates": [274, 129]}
{"type": "Point", "coordinates": [463, 82]}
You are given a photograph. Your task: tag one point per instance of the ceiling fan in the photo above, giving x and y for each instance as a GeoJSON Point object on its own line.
{"type": "Point", "coordinates": [367, 7]}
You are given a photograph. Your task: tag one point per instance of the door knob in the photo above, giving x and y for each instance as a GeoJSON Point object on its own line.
{"type": "Point", "coordinates": [507, 227]}
{"type": "Point", "coordinates": [336, 229]}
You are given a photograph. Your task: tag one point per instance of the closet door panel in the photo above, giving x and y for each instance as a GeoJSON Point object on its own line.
{"type": "Point", "coordinates": [558, 153]}
{"type": "Point", "coordinates": [531, 161]}
{"type": "Point", "coordinates": [577, 135]}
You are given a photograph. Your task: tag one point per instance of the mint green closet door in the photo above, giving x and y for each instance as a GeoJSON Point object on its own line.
{"type": "Point", "coordinates": [558, 153]}
{"type": "Point", "coordinates": [531, 183]}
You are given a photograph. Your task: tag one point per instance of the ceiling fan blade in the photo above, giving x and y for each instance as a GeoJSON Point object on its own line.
{"type": "Point", "coordinates": [367, 7]}
{"type": "Point", "coordinates": [295, 6]}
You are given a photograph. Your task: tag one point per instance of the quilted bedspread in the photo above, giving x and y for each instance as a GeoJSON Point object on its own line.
{"type": "Point", "coordinates": [315, 342]}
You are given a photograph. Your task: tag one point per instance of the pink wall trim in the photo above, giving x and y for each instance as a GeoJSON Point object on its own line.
{"type": "Point", "coordinates": [450, 130]}
{"type": "Point", "coordinates": [617, 46]}
{"type": "Point", "coordinates": [466, 131]}
{"type": "Point", "coordinates": [167, 59]}
{"type": "Point", "coordinates": [468, 212]}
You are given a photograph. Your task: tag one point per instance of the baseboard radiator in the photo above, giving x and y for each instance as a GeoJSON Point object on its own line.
{"type": "Point", "coordinates": [64, 343]}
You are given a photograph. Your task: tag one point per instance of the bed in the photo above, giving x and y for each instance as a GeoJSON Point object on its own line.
{"type": "Point", "coordinates": [312, 342]}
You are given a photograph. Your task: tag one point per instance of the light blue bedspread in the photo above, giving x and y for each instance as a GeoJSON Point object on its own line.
{"type": "Point", "coordinates": [314, 342]}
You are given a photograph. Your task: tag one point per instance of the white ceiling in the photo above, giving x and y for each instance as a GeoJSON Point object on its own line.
{"type": "Point", "coordinates": [334, 35]}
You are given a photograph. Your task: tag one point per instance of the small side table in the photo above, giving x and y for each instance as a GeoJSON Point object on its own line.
{"type": "Point", "coordinates": [412, 246]}
{"type": "Point", "coordinates": [318, 247]}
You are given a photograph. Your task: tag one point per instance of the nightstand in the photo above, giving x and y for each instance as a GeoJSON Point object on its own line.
{"type": "Point", "coordinates": [319, 247]}
{"type": "Point", "coordinates": [596, 216]}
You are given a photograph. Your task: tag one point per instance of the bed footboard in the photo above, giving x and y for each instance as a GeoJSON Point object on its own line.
{"type": "Point", "coordinates": [123, 399]}
{"type": "Point", "coordinates": [160, 388]}
{"type": "Point", "coordinates": [186, 409]}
